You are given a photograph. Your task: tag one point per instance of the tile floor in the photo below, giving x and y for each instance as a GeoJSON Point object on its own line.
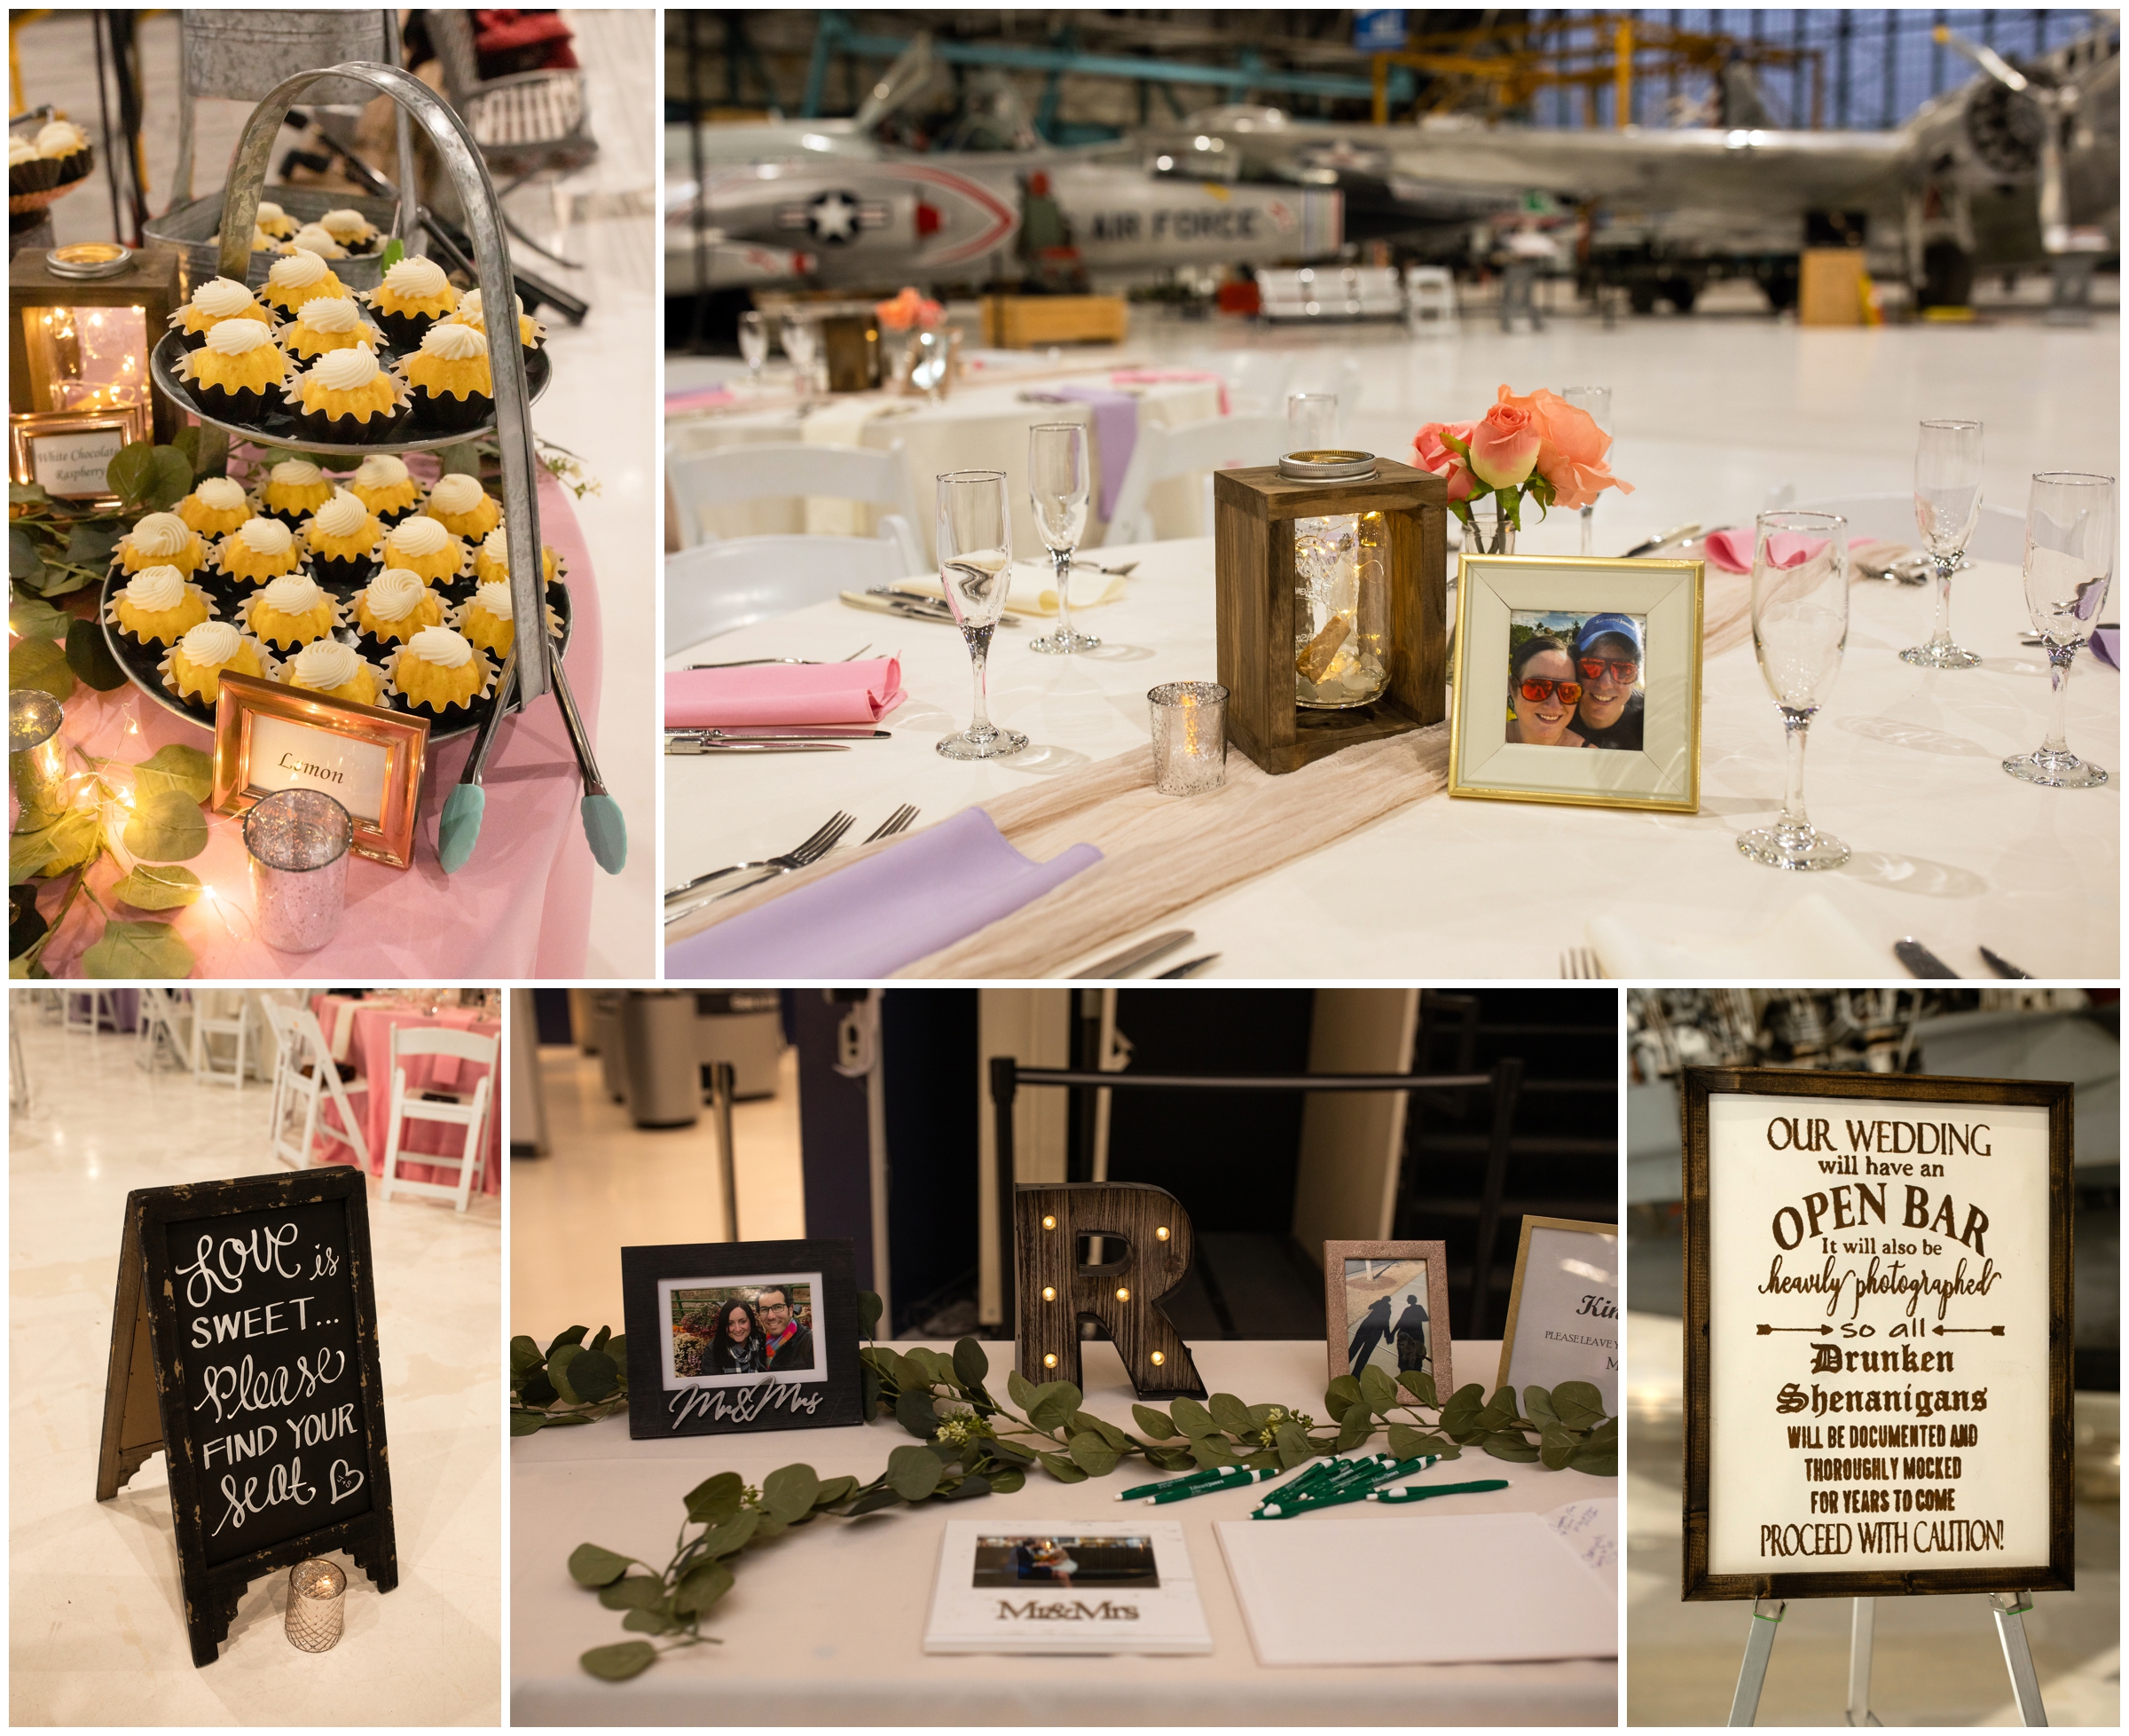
{"type": "Point", "coordinates": [97, 1631]}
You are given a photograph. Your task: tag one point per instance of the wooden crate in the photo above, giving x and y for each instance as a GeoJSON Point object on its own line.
{"type": "Point", "coordinates": [1030, 322]}
{"type": "Point", "coordinates": [1831, 290]}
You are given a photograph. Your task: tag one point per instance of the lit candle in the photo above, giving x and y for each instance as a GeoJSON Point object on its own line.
{"type": "Point", "coordinates": [315, 1605]}
{"type": "Point", "coordinates": [1189, 737]}
{"type": "Point", "coordinates": [36, 758]}
{"type": "Point", "coordinates": [298, 840]}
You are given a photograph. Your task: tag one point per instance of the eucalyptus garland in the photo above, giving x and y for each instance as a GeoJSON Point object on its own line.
{"type": "Point", "coordinates": [973, 1445]}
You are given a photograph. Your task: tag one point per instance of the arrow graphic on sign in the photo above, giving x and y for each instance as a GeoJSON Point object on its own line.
{"type": "Point", "coordinates": [1995, 1331]}
{"type": "Point", "coordinates": [1764, 1330]}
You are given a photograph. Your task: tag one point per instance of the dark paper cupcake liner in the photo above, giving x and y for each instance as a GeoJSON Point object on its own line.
{"type": "Point", "coordinates": [452, 414]}
{"type": "Point", "coordinates": [403, 331]}
{"type": "Point", "coordinates": [349, 431]}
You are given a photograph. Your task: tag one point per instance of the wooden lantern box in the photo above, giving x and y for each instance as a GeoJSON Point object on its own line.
{"type": "Point", "coordinates": [149, 282]}
{"type": "Point", "coordinates": [1255, 511]}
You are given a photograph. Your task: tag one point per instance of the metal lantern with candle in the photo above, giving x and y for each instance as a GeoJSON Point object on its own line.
{"type": "Point", "coordinates": [1331, 569]}
{"type": "Point", "coordinates": [81, 323]}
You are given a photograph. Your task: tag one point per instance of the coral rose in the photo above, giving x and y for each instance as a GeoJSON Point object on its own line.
{"type": "Point", "coordinates": [1505, 443]}
{"type": "Point", "coordinates": [1573, 454]}
{"type": "Point", "coordinates": [1435, 454]}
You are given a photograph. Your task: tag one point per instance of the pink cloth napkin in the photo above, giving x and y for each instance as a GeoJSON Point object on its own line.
{"type": "Point", "coordinates": [1164, 376]}
{"type": "Point", "coordinates": [785, 693]}
{"type": "Point", "coordinates": [699, 397]}
{"type": "Point", "coordinates": [1731, 550]}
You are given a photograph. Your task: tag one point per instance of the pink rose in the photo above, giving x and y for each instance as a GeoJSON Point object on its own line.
{"type": "Point", "coordinates": [1435, 454]}
{"type": "Point", "coordinates": [1572, 457]}
{"type": "Point", "coordinates": [1504, 445]}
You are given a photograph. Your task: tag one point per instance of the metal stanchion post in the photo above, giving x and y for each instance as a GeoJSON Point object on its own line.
{"type": "Point", "coordinates": [2009, 1608]}
{"type": "Point", "coordinates": [723, 1081]}
{"type": "Point", "coordinates": [1862, 1629]}
{"type": "Point", "coordinates": [1759, 1646]}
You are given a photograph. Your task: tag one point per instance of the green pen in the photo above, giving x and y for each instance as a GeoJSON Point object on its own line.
{"type": "Point", "coordinates": [1361, 1472]}
{"type": "Point", "coordinates": [1337, 1498]}
{"type": "Point", "coordinates": [1237, 1478]}
{"type": "Point", "coordinates": [1194, 1479]}
{"type": "Point", "coordinates": [1422, 1492]}
{"type": "Point", "coordinates": [1319, 1471]}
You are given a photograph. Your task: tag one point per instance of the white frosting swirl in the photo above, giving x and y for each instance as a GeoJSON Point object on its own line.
{"type": "Point", "coordinates": [496, 546]}
{"type": "Point", "coordinates": [265, 536]}
{"type": "Point", "coordinates": [442, 647]}
{"type": "Point", "coordinates": [292, 593]}
{"type": "Point", "coordinates": [457, 493]}
{"type": "Point", "coordinates": [495, 599]}
{"type": "Point", "coordinates": [297, 472]}
{"type": "Point", "coordinates": [60, 138]}
{"type": "Point", "coordinates": [344, 222]}
{"type": "Point", "coordinates": [416, 536]}
{"type": "Point", "coordinates": [469, 310]}
{"type": "Point", "coordinates": [340, 516]}
{"type": "Point", "coordinates": [381, 471]}
{"type": "Point", "coordinates": [160, 533]}
{"type": "Point", "coordinates": [345, 370]}
{"type": "Point", "coordinates": [324, 664]}
{"type": "Point", "coordinates": [222, 298]}
{"type": "Point", "coordinates": [311, 238]}
{"type": "Point", "coordinates": [156, 588]}
{"type": "Point", "coordinates": [269, 212]}
{"type": "Point", "coordinates": [297, 270]}
{"type": "Point", "coordinates": [416, 279]}
{"type": "Point", "coordinates": [454, 343]}
{"type": "Point", "coordinates": [238, 337]}
{"type": "Point", "coordinates": [394, 594]}
{"type": "Point", "coordinates": [210, 642]}
{"type": "Point", "coordinates": [330, 313]}
{"type": "Point", "coordinates": [219, 494]}
{"type": "Point", "coordinates": [20, 149]}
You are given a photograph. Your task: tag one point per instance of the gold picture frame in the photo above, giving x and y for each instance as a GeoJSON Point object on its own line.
{"type": "Point", "coordinates": [1572, 1226]}
{"type": "Point", "coordinates": [1341, 1329]}
{"type": "Point", "coordinates": [1667, 595]}
{"type": "Point", "coordinates": [376, 751]}
{"type": "Point", "coordinates": [130, 423]}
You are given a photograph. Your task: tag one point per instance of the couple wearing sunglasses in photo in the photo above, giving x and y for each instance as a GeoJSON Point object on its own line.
{"type": "Point", "coordinates": [1582, 696]}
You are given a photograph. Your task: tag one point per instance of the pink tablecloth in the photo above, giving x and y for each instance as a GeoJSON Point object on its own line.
{"type": "Point", "coordinates": [369, 1050]}
{"type": "Point", "coordinates": [521, 908]}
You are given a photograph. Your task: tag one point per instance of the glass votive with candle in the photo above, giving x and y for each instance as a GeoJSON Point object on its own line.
{"type": "Point", "coordinates": [36, 758]}
{"type": "Point", "coordinates": [1189, 737]}
{"type": "Point", "coordinates": [317, 1603]}
{"type": "Point", "coordinates": [298, 840]}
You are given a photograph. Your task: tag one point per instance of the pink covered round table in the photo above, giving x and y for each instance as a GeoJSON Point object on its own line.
{"type": "Point", "coordinates": [359, 1032]}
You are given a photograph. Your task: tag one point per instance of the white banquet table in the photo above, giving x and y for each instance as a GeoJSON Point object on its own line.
{"type": "Point", "coordinates": [1904, 764]}
{"type": "Point", "coordinates": [826, 1626]}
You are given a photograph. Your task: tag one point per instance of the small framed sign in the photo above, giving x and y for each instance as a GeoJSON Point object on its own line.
{"type": "Point", "coordinates": [1577, 680]}
{"type": "Point", "coordinates": [65, 452]}
{"type": "Point", "coordinates": [1877, 1334]}
{"type": "Point", "coordinates": [269, 737]}
{"type": "Point", "coordinates": [244, 1348]}
{"type": "Point", "coordinates": [728, 1337]}
{"type": "Point", "coordinates": [1386, 1305]}
{"type": "Point", "coordinates": [1563, 1310]}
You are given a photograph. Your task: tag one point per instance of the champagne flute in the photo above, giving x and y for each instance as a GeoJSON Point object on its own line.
{"type": "Point", "coordinates": [1799, 630]}
{"type": "Point", "coordinates": [976, 566]}
{"type": "Point", "coordinates": [799, 344]}
{"type": "Point", "coordinates": [753, 343]}
{"type": "Point", "coordinates": [2069, 566]}
{"type": "Point", "coordinates": [1057, 489]}
{"type": "Point", "coordinates": [1947, 505]}
{"type": "Point", "coordinates": [1597, 401]}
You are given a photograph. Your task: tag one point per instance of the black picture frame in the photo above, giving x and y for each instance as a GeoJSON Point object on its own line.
{"type": "Point", "coordinates": [154, 1363]}
{"type": "Point", "coordinates": [1818, 1089]}
{"type": "Point", "coordinates": [730, 1404]}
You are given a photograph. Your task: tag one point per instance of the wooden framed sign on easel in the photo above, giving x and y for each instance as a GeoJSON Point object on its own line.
{"type": "Point", "coordinates": [244, 1346]}
{"type": "Point", "coordinates": [1878, 1337]}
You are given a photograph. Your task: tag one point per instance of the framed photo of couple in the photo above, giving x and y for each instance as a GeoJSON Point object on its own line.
{"type": "Point", "coordinates": [1577, 680]}
{"type": "Point", "coordinates": [1386, 1305]}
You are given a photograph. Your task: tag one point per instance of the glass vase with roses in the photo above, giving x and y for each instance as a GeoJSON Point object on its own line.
{"type": "Point", "coordinates": [1538, 447]}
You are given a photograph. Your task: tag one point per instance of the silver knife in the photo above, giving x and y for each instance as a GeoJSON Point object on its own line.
{"type": "Point", "coordinates": [1144, 953]}
{"type": "Point", "coordinates": [1188, 968]}
{"type": "Point", "coordinates": [2003, 967]}
{"type": "Point", "coordinates": [686, 745]}
{"type": "Point", "coordinates": [1920, 960]}
{"type": "Point", "coordinates": [911, 608]}
{"type": "Point", "coordinates": [809, 732]}
{"type": "Point", "coordinates": [1663, 541]}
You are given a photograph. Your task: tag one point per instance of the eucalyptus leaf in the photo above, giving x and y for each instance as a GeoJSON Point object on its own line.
{"type": "Point", "coordinates": [1500, 1410]}
{"type": "Point", "coordinates": [526, 1422]}
{"type": "Point", "coordinates": [166, 827]}
{"type": "Point", "coordinates": [834, 1489]}
{"type": "Point", "coordinates": [1265, 1458]}
{"type": "Point", "coordinates": [593, 1373]}
{"type": "Point", "coordinates": [1092, 1454]}
{"type": "Point", "coordinates": [1293, 1445]}
{"type": "Point", "coordinates": [606, 1334]}
{"type": "Point", "coordinates": [652, 1619]}
{"type": "Point", "coordinates": [1605, 1434]}
{"type": "Point", "coordinates": [916, 1412]}
{"type": "Point", "coordinates": [970, 1362]}
{"type": "Point", "coordinates": [1556, 1447]}
{"type": "Point", "coordinates": [66, 842]}
{"type": "Point", "coordinates": [1537, 1405]}
{"type": "Point", "coordinates": [868, 1390]}
{"type": "Point", "coordinates": [789, 1492]}
{"type": "Point", "coordinates": [1212, 1452]}
{"type": "Point", "coordinates": [1055, 1401]}
{"type": "Point", "coordinates": [152, 886]}
{"type": "Point", "coordinates": [535, 1388]}
{"type": "Point", "coordinates": [716, 1499]}
{"type": "Point", "coordinates": [1420, 1385]}
{"type": "Point", "coordinates": [703, 1585]}
{"type": "Point", "coordinates": [617, 1664]}
{"type": "Point", "coordinates": [1340, 1395]}
{"type": "Point", "coordinates": [138, 949]}
{"type": "Point", "coordinates": [1596, 1464]}
{"type": "Point", "coordinates": [576, 1334]}
{"type": "Point", "coordinates": [729, 1535]}
{"type": "Point", "coordinates": [1358, 1426]}
{"type": "Point", "coordinates": [1019, 1388]}
{"type": "Point", "coordinates": [524, 1354]}
{"type": "Point", "coordinates": [1378, 1391]}
{"type": "Point", "coordinates": [558, 1371]}
{"type": "Point", "coordinates": [25, 563]}
{"type": "Point", "coordinates": [913, 1473]}
{"type": "Point", "coordinates": [1231, 1414]}
{"type": "Point", "coordinates": [32, 617]}
{"type": "Point", "coordinates": [1193, 1418]}
{"type": "Point", "coordinates": [1007, 1480]}
{"type": "Point", "coordinates": [39, 663]}
{"type": "Point", "coordinates": [968, 1488]}
{"type": "Point", "coordinates": [1506, 1443]}
{"type": "Point", "coordinates": [1087, 1422]}
{"type": "Point", "coordinates": [1157, 1427]}
{"type": "Point", "coordinates": [1062, 1468]}
{"type": "Point", "coordinates": [769, 1525]}
{"type": "Point", "coordinates": [873, 1500]}
{"type": "Point", "coordinates": [90, 544]}
{"type": "Point", "coordinates": [635, 1592]}
{"type": "Point", "coordinates": [1578, 1403]}
{"type": "Point", "coordinates": [589, 1565]}
{"type": "Point", "coordinates": [1171, 1458]}
{"type": "Point", "coordinates": [1409, 1442]}
{"type": "Point", "coordinates": [1012, 1449]}
{"type": "Point", "coordinates": [131, 471]}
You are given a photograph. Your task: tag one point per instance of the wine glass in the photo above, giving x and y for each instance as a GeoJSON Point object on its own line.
{"type": "Point", "coordinates": [1799, 629]}
{"type": "Point", "coordinates": [2069, 565]}
{"type": "Point", "coordinates": [800, 343]}
{"type": "Point", "coordinates": [1597, 401]}
{"type": "Point", "coordinates": [1057, 489]}
{"type": "Point", "coordinates": [1947, 505]}
{"type": "Point", "coordinates": [976, 566]}
{"type": "Point", "coordinates": [1312, 421]}
{"type": "Point", "coordinates": [753, 343]}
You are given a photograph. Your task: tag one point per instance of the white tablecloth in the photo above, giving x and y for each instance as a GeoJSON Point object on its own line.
{"type": "Point", "coordinates": [979, 428]}
{"type": "Point", "coordinates": [1904, 764]}
{"type": "Point", "coordinates": [827, 1626]}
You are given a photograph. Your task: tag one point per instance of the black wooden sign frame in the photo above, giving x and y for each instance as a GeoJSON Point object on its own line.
{"type": "Point", "coordinates": [144, 1393]}
{"type": "Point", "coordinates": [742, 1407]}
{"type": "Point", "coordinates": [1821, 1088]}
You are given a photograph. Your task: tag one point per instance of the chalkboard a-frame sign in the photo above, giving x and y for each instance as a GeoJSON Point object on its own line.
{"type": "Point", "coordinates": [244, 1345]}
{"type": "Point", "coordinates": [1878, 1334]}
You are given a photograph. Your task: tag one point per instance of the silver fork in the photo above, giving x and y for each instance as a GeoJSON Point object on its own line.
{"type": "Point", "coordinates": [1578, 964]}
{"type": "Point", "coordinates": [814, 847]}
{"type": "Point", "coordinates": [895, 824]}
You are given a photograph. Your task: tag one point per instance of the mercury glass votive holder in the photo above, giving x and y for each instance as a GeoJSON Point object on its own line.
{"type": "Point", "coordinates": [36, 758]}
{"type": "Point", "coordinates": [317, 1605]}
{"type": "Point", "coordinates": [298, 840]}
{"type": "Point", "coordinates": [1189, 737]}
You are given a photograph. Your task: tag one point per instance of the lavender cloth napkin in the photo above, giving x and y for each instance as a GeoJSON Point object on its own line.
{"type": "Point", "coordinates": [874, 917]}
{"type": "Point", "coordinates": [1115, 434]}
{"type": "Point", "coordinates": [2107, 646]}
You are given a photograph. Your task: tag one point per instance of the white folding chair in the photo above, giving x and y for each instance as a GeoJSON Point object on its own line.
{"type": "Point", "coordinates": [212, 1018]}
{"type": "Point", "coordinates": [1998, 535]}
{"type": "Point", "coordinates": [165, 1023]}
{"type": "Point", "coordinates": [718, 586]}
{"type": "Point", "coordinates": [1194, 447]}
{"type": "Point", "coordinates": [87, 1010]}
{"type": "Point", "coordinates": [467, 1110]}
{"type": "Point", "coordinates": [1430, 301]}
{"type": "Point", "coordinates": [722, 475]}
{"type": "Point", "coordinates": [1256, 380]}
{"type": "Point", "coordinates": [304, 1075]}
